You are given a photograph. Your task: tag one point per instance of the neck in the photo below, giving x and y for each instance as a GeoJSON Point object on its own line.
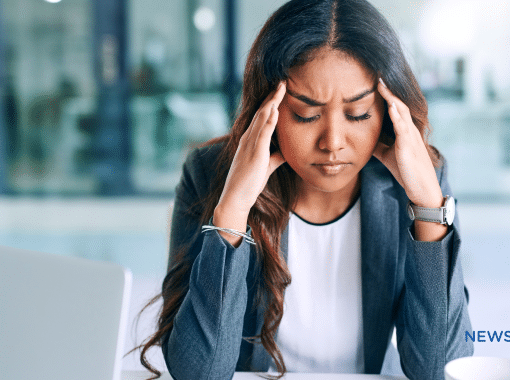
{"type": "Point", "coordinates": [318, 206]}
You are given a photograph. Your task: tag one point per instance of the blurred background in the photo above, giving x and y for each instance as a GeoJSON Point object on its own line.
{"type": "Point", "coordinates": [101, 100]}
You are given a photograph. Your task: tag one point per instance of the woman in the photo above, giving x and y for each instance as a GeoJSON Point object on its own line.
{"type": "Point", "coordinates": [328, 149]}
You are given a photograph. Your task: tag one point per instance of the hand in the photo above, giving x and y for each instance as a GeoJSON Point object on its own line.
{"type": "Point", "coordinates": [253, 164]}
{"type": "Point", "coordinates": [407, 159]}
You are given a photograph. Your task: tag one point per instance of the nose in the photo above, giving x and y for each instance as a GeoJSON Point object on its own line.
{"type": "Point", "coordinates": [333, 136]}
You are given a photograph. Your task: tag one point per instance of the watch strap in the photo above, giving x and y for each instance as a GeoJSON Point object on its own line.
{"type": "Point", "coordinates": [429, 214]}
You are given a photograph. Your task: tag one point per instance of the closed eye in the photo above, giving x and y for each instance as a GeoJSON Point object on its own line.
{"type": "Point", "coordinates": [300, 119]}
{"type": "Point", "coordinates": [365, 116]}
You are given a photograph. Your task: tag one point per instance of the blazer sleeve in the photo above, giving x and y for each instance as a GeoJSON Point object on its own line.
{"type": "Point", "coordinates": [205, 340]}
{"type": "Point", "coordinates": [432, 315]}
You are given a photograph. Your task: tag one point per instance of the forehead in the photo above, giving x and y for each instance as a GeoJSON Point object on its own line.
{"type": "Point", "coordinates": [331, 74]}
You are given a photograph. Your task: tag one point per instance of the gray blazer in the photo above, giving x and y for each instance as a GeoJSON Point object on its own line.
{"type": "Point", "coordinates": [416, 286]}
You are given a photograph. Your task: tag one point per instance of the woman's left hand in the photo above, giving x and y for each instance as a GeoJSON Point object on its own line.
{"type": "Point", "coordinates": [407, 159]}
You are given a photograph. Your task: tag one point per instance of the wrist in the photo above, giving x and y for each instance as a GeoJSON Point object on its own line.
{"type": "Point", "coordinates": [229, 216]}
{"type": "Point", "coordinates": [433, 201]}
{"type": "Point", "coordinates": [429, 231]}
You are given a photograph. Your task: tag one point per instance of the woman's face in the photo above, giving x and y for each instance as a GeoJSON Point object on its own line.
{"type": "Point", "coordinates": [329, 120]}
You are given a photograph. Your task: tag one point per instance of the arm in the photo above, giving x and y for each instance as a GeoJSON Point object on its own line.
{"type": "Point", "coordinates": [432, 316]}
{"type": "Point", "coordinates": [206, 336]}
{"type": "Point", "coordinates": [207, 332]}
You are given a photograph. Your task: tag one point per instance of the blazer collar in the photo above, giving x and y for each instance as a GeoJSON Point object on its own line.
{"type": "Point", "coordinates": [379, 242]}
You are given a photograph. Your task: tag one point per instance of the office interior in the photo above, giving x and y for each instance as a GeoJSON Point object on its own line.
{"type": "Point", "coordinates": [101, 100]}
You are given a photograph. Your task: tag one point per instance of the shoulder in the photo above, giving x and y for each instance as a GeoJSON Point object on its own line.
{"type": "Point", "coordinates": [204, 155]}
{"type": "Point", "coordinates": [199, 169]}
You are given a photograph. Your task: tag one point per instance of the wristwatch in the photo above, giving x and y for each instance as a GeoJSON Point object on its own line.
{"type": "Point", "coordinates": [443, 215]}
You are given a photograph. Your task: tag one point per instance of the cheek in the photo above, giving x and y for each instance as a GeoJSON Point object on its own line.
{"type": "Point", "coordinates": [294, 140]}
{"type": "Point", "coordinates": [369, 136]}
{"type": "Point", "coordinates": [366, 142]}
{"type": "Point", "coordinates": [365, 138]}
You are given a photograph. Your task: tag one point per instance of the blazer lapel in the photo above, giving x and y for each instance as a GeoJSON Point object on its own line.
{"type": "Point", "coordinates": [379, 247]}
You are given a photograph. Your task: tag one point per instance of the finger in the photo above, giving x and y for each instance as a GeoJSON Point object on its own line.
{"type": "Point", "coordinates": [280, 93]}
{"type": "Point", "coordinates": [256, 116]}
{"type": "Point", "coordinates": [386, 92]}
{"type": "Point", "coordinates": [390, 99]}
{"type": "Point", "coordinates": [264, 111]}
{"type": "Point", "coordinates": [275, 97]}
{"type": "Point", "coordinates": [267, 99]}
{"type": "Point", "coordinates": [399, 125]}
{"type": "Point", "coordinates": [266, 130]}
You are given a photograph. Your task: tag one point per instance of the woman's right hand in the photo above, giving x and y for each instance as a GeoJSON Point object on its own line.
{"type": "Point", "coordinates": [252, 165]}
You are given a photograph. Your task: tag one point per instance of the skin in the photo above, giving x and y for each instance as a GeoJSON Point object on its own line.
{"type": "Point", "coordinates": [332, 134]}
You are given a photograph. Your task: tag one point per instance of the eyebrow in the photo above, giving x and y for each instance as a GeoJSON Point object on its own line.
{"type": "Point", "coordinates": [315, 103]}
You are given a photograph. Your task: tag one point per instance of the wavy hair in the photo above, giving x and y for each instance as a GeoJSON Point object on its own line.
{"type": "Point", "coordinates": [291, 37]}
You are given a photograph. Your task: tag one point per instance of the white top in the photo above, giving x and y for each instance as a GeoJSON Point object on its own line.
{"type": "Point", "coordinates": [321, 328]}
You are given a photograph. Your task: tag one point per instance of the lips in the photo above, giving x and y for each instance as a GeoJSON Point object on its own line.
{"type": "Point", "coordinates": [332, 163]}
{"type": "Point", "coordinates": [332, 167]}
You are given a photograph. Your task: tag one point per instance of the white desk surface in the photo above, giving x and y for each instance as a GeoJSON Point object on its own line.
{"type": "Point", "coordinates": [142, 375]}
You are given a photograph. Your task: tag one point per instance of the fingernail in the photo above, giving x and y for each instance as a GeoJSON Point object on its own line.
{"type": "Point", "coordinates": [280, 85]}
{"type": "Point", "coordinates": [273, 107]}
{"type": "Point", "coordinates": [394, 105]}
{"type": "Point", "coordinates": [382, 82]}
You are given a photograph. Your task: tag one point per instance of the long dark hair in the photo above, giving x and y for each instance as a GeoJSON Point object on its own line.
{"type": "Point", "coordinates": [290, 37]}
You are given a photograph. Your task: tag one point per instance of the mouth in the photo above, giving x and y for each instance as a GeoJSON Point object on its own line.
{"type": "Point", "coordinates": [332, 163]}
{"type": "Point", "coordinates": [332, 167]}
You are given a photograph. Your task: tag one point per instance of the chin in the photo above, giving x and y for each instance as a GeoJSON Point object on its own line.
{"type": "Point", "coordinates": [327, 185]}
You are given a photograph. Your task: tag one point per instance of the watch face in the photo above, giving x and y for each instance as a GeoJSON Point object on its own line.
{"type": "Point", "coordinates": [449, 210]}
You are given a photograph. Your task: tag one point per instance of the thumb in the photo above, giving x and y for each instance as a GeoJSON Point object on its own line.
{"type": "Point", "coordinates": [275, 161]}
{"type": "Point", "coordinates": [386, 155]}
{"type": "Point", "coordinates": [380, 152]}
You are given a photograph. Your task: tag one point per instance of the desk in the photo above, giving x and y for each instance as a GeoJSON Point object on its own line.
{"type": "Point", "coordinates": [143, 375]}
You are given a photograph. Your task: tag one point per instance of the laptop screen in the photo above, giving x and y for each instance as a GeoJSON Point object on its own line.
{"type": "Point", "coordinates": [61, 317]}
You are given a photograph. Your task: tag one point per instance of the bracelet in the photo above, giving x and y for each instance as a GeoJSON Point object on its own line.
{"type": "Point", "coordinates": [248, 238]}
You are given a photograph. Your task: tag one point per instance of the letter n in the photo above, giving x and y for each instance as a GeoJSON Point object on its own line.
{"type": "Point", "coordinates": [470, 337]}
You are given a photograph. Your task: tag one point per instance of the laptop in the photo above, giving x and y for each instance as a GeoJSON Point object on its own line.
{"type": "Point", "coordinates": [61, 318]}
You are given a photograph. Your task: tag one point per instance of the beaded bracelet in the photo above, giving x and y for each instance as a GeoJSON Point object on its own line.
{"type": "Point", "coordinates": [248, 238]}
